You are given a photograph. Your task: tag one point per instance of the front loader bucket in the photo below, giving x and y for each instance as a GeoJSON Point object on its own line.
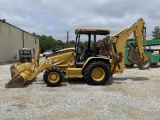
{"type": "Point", "coordinates": [23, 73]}
{"type": "Point", "coordinates": [13, 71]}
{"type": "Point", "coordinates": [17, 80]}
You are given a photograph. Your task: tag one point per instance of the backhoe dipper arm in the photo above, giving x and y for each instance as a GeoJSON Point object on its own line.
{"type": "Point", "coordinates": [118, 41]}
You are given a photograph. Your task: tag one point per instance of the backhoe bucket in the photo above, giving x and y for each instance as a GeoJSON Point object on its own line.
{"type": "Point", "coordinates": [134, 57]}
{"type": "Point", "coordinates": [17, 80]}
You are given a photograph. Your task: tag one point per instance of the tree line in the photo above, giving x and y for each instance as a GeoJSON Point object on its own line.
{"type": "Point", "coordinates": [49, 43]}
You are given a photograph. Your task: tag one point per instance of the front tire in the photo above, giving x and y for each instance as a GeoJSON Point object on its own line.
{"type": "Point", "coordinates": [53, 76]}
{"type": "Point", "coordinates": [97, 73]}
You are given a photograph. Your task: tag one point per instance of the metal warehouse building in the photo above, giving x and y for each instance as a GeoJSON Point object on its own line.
{"type": "Point", "coordinates": [12, 39]}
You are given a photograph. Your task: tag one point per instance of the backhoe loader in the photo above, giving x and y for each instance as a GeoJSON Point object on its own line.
{"type": "Point", "coordinates": [81, 62]}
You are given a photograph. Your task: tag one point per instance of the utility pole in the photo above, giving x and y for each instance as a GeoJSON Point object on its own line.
{"type": "Point", "coordinates": [67, 39]}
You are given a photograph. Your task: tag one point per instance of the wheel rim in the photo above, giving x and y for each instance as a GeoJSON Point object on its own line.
{"type": "Point", "coordinates": [53, 77]}
{"type": "Point", "coordinates": [98, 74]}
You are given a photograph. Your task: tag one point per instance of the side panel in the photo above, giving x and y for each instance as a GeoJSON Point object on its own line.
{"type": "Point", "coordinates": [153, 57]}
{"type": "Point", "coordinates": [74, 72]}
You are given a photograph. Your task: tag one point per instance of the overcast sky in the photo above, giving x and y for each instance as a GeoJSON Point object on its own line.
{"type": "Point", "coordinates": [56, 17]}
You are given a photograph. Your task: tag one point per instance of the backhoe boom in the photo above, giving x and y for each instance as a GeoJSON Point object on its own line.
{"type": "Point", "coordinates": [118, 41]}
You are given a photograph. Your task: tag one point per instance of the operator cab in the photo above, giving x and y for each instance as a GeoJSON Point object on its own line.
{"type": "Point", "coordinates": [92, 49]}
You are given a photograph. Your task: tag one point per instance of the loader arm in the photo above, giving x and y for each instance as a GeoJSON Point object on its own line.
{"type": "Point", "coordinates": [118, 41]}
{"type": "Point", "coordinates": [60, 60]}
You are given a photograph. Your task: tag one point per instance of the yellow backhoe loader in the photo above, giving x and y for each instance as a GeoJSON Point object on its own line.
{"type": "Point", "coordinates": [81, 62]}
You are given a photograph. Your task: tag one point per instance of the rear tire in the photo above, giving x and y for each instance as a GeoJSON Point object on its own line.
{"type": "Point", "coordinates": [97, 73]}
{"type": "Point", "coordinates": [53, 76]}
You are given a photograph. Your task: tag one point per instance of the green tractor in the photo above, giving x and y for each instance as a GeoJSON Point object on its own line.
{"type": "Point", "coordinates": [25, 55]}
{"type": "Point", "coordinates": [152, 50]}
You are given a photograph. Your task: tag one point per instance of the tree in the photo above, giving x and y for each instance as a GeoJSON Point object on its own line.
{"type": "Point", "coordinates": [71, 43]}
{"type": "Point", "coordinates": [47, 43]}
{"type": "Point", "coordinates": [156, 33]}
{"type": "Point", "coordinates": [42, 40]}
{"type": "Point", "coordinates": [59, 44]}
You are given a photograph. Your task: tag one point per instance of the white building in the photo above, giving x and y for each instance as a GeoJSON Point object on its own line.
{"type": "Point", "coordinates": [12, 38]}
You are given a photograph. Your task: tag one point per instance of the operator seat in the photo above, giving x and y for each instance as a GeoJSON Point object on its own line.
{"type": "Point", "coordinates": [88, 53]}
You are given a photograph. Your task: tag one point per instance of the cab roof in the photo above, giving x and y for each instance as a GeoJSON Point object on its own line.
{"type": "Point", "coordinates": [92, 31]}
{"type": "Point", "coordinates": [25, 48]}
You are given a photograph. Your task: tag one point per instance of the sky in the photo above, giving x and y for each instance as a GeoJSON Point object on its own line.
{"type": "Point", "coordinates": [56, 17]}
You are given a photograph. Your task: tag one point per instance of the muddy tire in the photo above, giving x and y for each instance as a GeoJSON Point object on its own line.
{"type": "Point", "coordinates": [146, 65]}
{"type": "Point", "coordinates": [53, 77]}
{"type": "Point", "coordinates": [97, 73]}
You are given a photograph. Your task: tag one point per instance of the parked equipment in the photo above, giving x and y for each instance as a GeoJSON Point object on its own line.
{"type": "Point", "coordinates": [25, 55]}
{"type": "Point", "coordinates": [152, 50]}
{"type": "Point", "coordinates": [81, 62]}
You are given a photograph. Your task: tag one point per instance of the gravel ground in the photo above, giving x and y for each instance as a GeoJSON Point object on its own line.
{"type": "Point", "coordinates": [133, 95]}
